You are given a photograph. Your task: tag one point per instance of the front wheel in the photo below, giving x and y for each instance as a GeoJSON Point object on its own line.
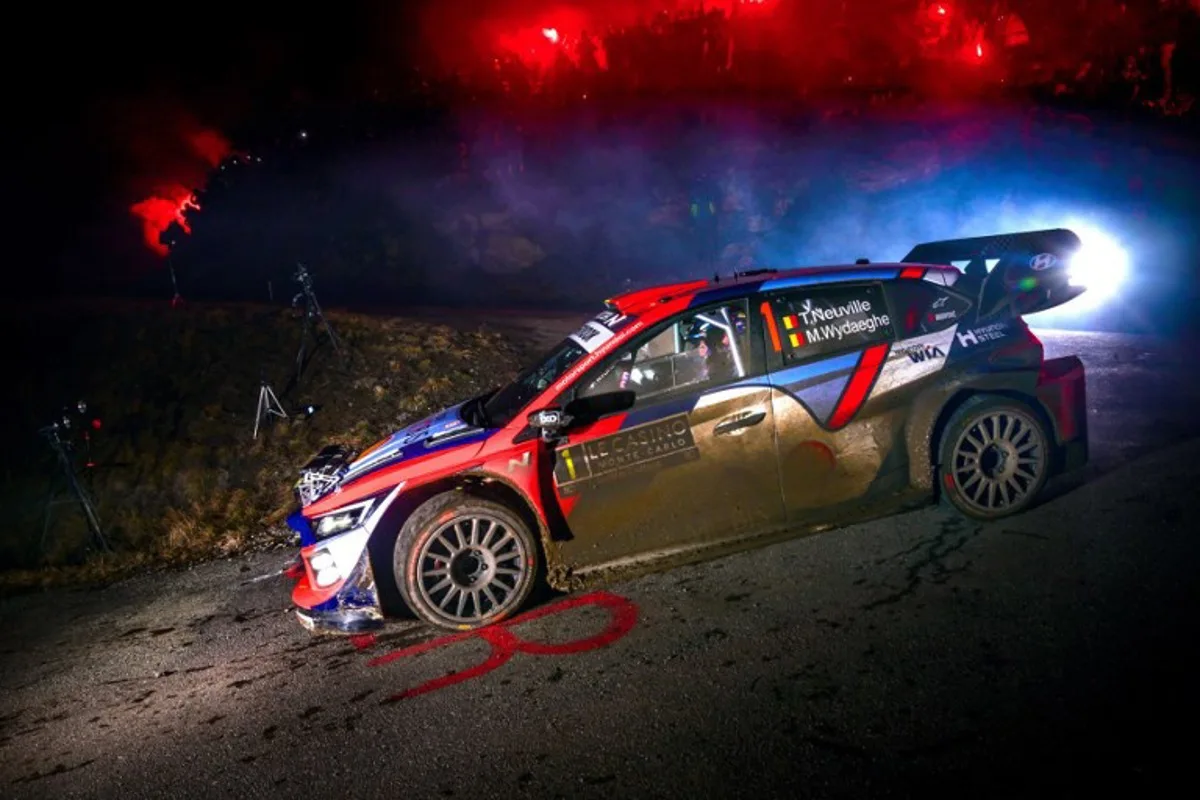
{"type": "Point", "coordinates": [995, 457]}
{"type": "Point", "coordinates": [463, 562]}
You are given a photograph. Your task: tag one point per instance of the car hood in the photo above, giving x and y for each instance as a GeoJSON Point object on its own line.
{"type": "Point", "coordinates": [439, 431]}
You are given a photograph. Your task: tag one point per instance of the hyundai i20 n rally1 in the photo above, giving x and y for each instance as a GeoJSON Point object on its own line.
{"type": "Point", "coordinates": [689, 420]}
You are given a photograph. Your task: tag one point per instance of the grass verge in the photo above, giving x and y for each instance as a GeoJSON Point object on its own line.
{"type": "Point", "coordinates": [176, 476]}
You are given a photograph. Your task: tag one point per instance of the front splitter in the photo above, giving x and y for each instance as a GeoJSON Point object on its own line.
{"type": "Point", "coordinates": [347, 621]}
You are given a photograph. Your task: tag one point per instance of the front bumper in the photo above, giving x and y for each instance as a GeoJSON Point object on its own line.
{"type": "Point", "coordinates": [351, 604]}
{"type": "Point", "coordinates": [1062, 391]}
{"type": "Point", "coordinates": [340, 621]}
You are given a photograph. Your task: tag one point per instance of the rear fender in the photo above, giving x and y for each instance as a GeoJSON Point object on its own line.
{"type": "Point", "coordinates": [1057, 391]}
{"type": "Point", "coordinates": [933, 408]}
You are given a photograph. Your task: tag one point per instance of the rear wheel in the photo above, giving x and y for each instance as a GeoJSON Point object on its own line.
{"type": "Point", "coordinates": [463, 562]}
{"type": "Point", "coordinates": [995, 457]}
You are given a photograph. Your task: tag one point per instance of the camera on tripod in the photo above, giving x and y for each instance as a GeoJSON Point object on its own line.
{"type": "Point", "coordinates": [304, 278]}
{"type": "Point", "coordinates": [61, 435]}
{"type": "Point", "coordinates": [70, 419]}
{"type": "Point", "coordinates": [313, 320]}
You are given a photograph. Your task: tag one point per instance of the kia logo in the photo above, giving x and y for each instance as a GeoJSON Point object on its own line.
{"type": "Point", "coordinates": [1042, 261]}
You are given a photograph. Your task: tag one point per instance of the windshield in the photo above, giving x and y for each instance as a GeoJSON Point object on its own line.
{"type": "Point", "coordinates": [506, 403]}
{"type": "Point", "coordinates": [499, 409]}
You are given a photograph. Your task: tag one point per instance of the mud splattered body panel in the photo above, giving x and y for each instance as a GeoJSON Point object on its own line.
{"type": "Point", "coordinates": [670, 475]}
{"type": "Point", "coordinates": [822, 468]}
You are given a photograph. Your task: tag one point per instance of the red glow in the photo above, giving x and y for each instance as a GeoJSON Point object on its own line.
{"type": "Point", "coordinates": [172, 199]}
{"type": "Point", "coordinates": [937, 12]}
{"type": "Point", "coordinates": [210, 146]}
{"type": "Point", "coordinates": [157, 212]}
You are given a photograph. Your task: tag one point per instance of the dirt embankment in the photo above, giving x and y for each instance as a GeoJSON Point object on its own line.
{"type": "Point", "coordinates": [176, 475]}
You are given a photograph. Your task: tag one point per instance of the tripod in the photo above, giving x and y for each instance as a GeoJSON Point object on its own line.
{"type": "Point", "coordinates": [168, 239]}
{"type": "Point", "coordinates": [314, 319]}
{"type": "Point", "coordinates": [177, 298]}
{"type": "Point", "coordinates": [52, 434]}
{"type": "Point", "coordinates": [268, 405]}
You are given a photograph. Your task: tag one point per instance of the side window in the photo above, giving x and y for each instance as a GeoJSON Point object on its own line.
{"type": "Point", "coordinates": [920, 308]}
{"type": "Point", "coordinates": [696, 350]}
{"type": "Point", "coordinates": [826, 319]}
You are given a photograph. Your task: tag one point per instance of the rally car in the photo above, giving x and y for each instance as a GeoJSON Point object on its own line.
{"type": "Point", "coordinates": [692, 419]}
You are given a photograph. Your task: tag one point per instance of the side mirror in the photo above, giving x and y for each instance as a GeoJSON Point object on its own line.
{"type": "Point", "coordinates": [586, 409]}
{"type": "Point", "coordinates": [549, 422]}
{"type": "Point", "coordinates": [552, 422]}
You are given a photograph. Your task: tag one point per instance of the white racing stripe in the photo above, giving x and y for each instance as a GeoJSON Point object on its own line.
{"type": "Point", "coordinates": [721, 395]}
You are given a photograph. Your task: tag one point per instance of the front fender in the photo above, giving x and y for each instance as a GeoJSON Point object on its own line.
{"type": "Point", "coordinates": [513, 477]}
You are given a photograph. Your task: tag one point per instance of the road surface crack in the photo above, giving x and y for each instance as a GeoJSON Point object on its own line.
{"type": "Point", "coordinates": [931, 565]}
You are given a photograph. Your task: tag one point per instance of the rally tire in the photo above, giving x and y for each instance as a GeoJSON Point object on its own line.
{"type": "Point", "coordinates": [462, 562]}
{"type": "Point", "coordinates": [994, 457]}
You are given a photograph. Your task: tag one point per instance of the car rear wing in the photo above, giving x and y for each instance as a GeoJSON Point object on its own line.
{"type": "Point", "coordinates": [1001, 247]}
{"type": "Point", "coordinates": [1024, 272]}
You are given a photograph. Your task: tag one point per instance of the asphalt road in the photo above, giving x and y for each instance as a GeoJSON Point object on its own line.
{"type": "Point", "coordinates": [1052, 653]}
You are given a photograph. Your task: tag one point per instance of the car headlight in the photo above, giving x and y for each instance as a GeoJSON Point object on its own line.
{"type": "Point", "coordinates": [343, 519]}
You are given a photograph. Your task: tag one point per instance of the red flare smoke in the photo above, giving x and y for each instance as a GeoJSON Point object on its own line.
{"type": "Point", "coordinates": [171, 201]}
{"type": "Point", "coordinates": [157, 213]}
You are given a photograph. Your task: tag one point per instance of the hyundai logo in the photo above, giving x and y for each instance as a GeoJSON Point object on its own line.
{"type": "Point", "coordinates": [1042, 261]}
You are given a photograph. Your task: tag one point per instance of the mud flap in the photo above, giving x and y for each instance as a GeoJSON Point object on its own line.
{"type": "Point", "coordinates": [1062, 391]}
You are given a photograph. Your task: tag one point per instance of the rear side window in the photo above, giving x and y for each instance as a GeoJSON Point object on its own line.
{"type": "Point", "coordinates": [921, 307]}
{"type": "Point", "coordinates": [826, 319]}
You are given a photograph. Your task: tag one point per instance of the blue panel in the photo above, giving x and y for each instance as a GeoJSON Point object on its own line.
{"type": "Point", "coordinates": [818, 386]}
{"type": "Point", "coordinates": [789, 377]}
{"type": "Point", "coordinates": [422, 448]}
{"type": "Point", "coordinates": [707, 296]}
{"type": "Point", "coordinates": [833, 276]}
{"type": "Point", "coordinates": [639, 416]}
{"type": "Point", "coordinates": [821, 398]}
{"type": "Point", "coordinates": [297, 522]}
{"type": "Point", "coordinates": [443, 429]}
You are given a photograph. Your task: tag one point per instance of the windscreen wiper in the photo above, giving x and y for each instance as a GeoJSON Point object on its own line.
{"type": "Point", "coordinates": [474, 411]}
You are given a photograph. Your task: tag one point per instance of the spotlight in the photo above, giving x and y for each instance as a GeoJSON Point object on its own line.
{"type": "Point", "coordinates": [1101, 265]}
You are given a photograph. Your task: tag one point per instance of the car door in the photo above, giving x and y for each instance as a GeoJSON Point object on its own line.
{"type": "Point", "coordinates": [830, 356]}
{"type": "Point", "coordinates": [692, 462]}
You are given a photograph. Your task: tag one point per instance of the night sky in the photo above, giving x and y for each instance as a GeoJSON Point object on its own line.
{"type": "Point", "coordinates": [115, 98]}
{"type": "Point", "coordinates": [108, 116]}
{"type": "Point", "coordinates": [117, 106]}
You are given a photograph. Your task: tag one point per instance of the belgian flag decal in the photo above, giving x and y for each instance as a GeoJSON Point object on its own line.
{"type": "Point", "coordinates": [795, 336]}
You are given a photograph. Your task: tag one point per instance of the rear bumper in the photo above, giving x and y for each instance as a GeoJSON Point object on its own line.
{"type": "Point", "coordinates": [1062, 391]}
